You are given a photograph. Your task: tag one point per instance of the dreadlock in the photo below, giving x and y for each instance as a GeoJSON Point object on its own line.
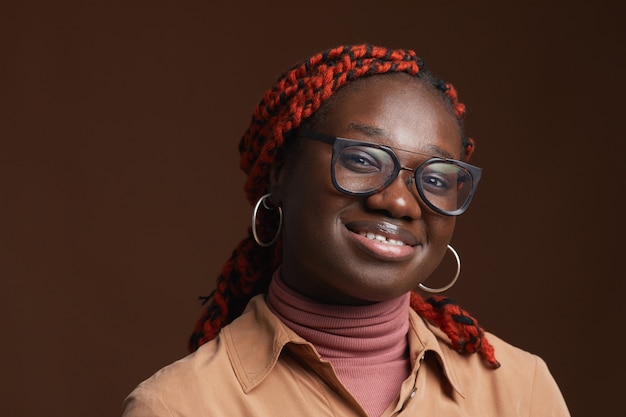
{"type": "Point", "coordinates": [295, 97]}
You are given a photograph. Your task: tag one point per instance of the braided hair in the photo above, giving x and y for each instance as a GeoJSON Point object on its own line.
{"type": "Point", "coordinates": [292, 101]}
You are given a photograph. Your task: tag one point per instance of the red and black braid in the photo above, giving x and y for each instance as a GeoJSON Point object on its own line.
{"type": "Point", "coordinates": [295, 97]}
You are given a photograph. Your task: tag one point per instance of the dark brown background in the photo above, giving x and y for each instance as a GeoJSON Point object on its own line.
{"type": "Point", "coordinates": [121, 195]}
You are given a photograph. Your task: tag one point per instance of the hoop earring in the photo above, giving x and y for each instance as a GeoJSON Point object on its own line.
{"type": "Point", "coordinates": [263, 200]}
{"type": "Point", "coordinates": [447, 287]}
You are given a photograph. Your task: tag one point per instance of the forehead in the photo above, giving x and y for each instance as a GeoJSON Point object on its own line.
{"type": "Point", "coordinates": [396, 110]}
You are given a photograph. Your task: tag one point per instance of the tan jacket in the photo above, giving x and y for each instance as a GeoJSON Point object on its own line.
{"type": "Point", "coordinates": [259, 367]}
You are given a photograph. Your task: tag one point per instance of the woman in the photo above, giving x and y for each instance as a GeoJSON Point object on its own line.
{"type": "Point", "coordinates": [357, 167]}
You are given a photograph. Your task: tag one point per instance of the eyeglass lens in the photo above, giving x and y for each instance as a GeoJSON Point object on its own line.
{"type": "Point", "coordinates": [363, 169]}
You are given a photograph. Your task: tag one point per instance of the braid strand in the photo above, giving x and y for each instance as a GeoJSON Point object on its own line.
{"type": "Point", "coordinates": [465, 335]}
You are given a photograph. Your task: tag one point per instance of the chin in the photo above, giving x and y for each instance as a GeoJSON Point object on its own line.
{"type": "Point", "coordinates": [370, 293]}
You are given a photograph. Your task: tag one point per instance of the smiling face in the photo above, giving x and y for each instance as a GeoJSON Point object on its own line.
{"type": "Point", "coordinates": [349, 250]}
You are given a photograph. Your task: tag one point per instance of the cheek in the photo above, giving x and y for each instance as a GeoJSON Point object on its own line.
{"type": "Point", "coordinates": [440, 227]}
{"type": "Point", "coordinates": [306, 179]}
{"type": "Point", "coordinates": [311, 209]}
{"type": "Point", "coordinates": [307, 198]}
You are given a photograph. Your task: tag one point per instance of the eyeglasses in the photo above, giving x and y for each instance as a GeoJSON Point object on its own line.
{"type": "Point", "coordinates": [363, 168]}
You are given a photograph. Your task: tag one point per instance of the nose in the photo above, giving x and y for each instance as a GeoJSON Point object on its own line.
{"type": "Point", "coordinates": [398, 199]}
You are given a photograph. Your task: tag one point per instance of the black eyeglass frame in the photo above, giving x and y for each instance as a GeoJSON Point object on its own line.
{"type": "Point", "coordinates": [339, 143]}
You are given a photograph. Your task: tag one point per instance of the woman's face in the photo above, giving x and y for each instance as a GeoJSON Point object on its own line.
{"type": "Point", "coordinates": [325, 255]}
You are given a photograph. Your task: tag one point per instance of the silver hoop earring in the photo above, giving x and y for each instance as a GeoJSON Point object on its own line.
{"type": "Point", "coordinates": [447, 287]}
{"type": "Point", "coordinates": [263, 200]}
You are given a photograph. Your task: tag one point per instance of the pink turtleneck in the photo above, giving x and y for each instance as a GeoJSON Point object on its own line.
{"type": "Point", "coordinates": [367, 345]}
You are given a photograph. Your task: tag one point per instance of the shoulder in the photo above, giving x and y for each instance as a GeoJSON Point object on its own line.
{"type": "Point", "coordinates": [522, 382]}
{"type": "Point", "coordinates": [522, 385]}
{"type": "Point", "coordinates": [516, 364]}
{"type": "Point", "coordinates": [546, 395]}
{"type": "Point", "coordinates": [228, 366]}
{"type": "Point", "coordinates": [187, 368]}
{"type": "Point", "coordinates": [177, 384]}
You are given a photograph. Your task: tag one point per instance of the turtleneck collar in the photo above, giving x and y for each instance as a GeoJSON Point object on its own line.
{"type": "Point", "coordinates": [342, 331]}
{"type": "Point", "coordinates": [367, 345]}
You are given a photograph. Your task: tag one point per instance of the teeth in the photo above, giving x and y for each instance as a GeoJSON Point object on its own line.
{"type": "Point", "coordinates": [380, 238]}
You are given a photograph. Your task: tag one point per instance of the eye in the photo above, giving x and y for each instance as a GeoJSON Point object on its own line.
{"type": "Point", "coordinates": [441, 178]}
{"type": "Point", "coordinates": [363, 159]}
{"type": "Point", "coordinates": [437, 183]}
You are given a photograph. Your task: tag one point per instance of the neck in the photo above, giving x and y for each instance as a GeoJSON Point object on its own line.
{"type": "Point", "coordinates": [367, 345]}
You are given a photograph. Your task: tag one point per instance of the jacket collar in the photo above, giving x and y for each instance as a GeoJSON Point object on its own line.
{"type": "Point", "coordinates": [255, 340]}
{"type": "Point", "coordinates": [424, 337]}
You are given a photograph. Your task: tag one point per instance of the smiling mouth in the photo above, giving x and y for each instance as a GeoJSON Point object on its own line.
{"type": "Point", "coordinates": [381, 238]}
{"type": "Point", "coordinates": [383, 232]}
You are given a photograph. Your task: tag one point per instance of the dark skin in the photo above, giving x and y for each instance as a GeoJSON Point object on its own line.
{"type": "Point", "coordinates": [325, 257]}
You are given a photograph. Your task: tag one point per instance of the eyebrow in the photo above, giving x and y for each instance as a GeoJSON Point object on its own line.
{"type": "Point", "coordinates": [376, 132]}
{"type": "Point", "coordinates": [368, 130]}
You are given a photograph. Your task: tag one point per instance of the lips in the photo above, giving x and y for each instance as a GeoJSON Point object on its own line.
{"type": "Point", "coordinates": [383, 232]}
